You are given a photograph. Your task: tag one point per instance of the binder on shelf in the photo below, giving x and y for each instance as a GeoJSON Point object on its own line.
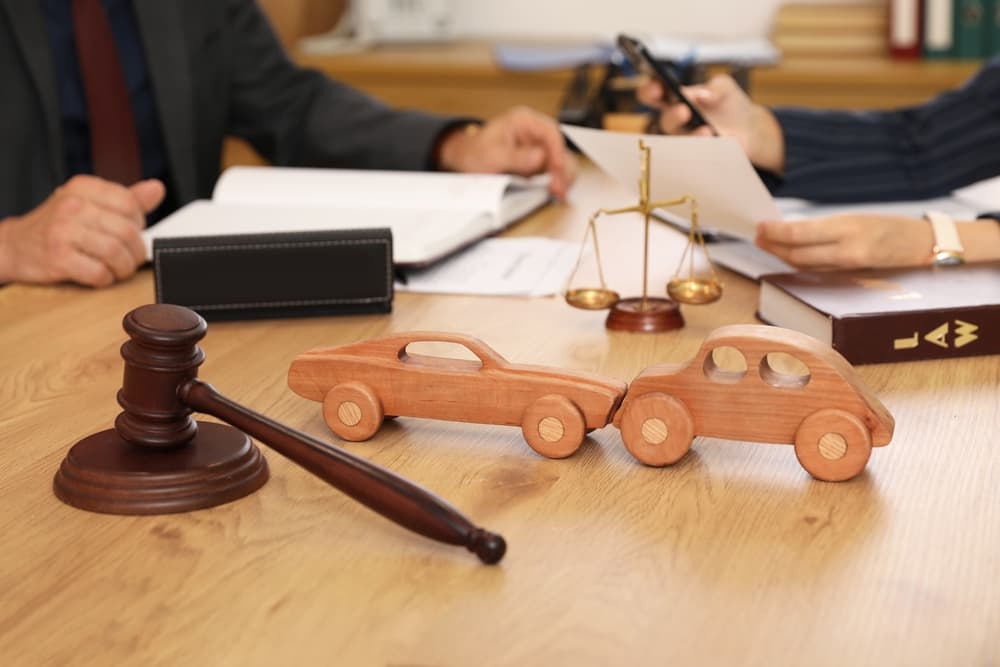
{"type": "Point", "coordinates": [905, 29]}
{"type": "Point", "coordinates": [992, 27]}
{"type": "Point", "coordinates": [939, 31]}
{"type": "Point", "coordinates": [969, 24]}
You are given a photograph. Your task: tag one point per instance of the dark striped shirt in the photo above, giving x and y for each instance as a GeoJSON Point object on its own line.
{"type": "Point", "coordinates": [906, 154]}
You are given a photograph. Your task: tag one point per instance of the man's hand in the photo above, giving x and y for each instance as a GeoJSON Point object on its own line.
{"type": "Point", "coordinates": [730, 111]}
{"type": "Point", "coordinates": [851, 240]}
{"type": "Point", "coordinates": [87, 232]}
{"type": "Point", "coordinates": [520, 141]}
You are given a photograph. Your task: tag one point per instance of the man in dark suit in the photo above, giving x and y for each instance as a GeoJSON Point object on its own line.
{"type": "Point", "coordinates": [194, 71]}
{"type": "Point", "coordinates": [858, 156]}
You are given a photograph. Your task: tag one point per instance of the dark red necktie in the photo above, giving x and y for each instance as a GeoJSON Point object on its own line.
{"type": "Point", "coordinates": [114, 142]}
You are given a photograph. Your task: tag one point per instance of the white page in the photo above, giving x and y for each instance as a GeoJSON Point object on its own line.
{"type": "Point", "coordinates": [519, 266]}
{"type": "Point", "coordinates": [731, 197]}
{"type": "Point", "coordinates": [364, 189]}
{"type": "Point", "coordinates": [522, 197]}
{"type": "Point", "coordinates": [746, 259]}
{"type": "Point", "coordinates": [417, 235]}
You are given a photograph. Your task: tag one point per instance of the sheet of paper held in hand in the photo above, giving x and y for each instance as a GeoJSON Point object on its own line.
{"type": "Point", "coordinates": [731, 197]}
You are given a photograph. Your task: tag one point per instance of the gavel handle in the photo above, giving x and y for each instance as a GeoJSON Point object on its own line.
{"type": "Point", "coordinates": [383, 491]}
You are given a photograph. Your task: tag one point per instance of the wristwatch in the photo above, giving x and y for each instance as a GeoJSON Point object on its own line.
{"type": "Point", "coordinates": [948, 250]}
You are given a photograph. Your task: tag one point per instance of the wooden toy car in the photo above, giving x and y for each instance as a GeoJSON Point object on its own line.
{"type": "Point", "coordinates": [362, 383]}
{"type": "Point", "coordinates": [827, 412]}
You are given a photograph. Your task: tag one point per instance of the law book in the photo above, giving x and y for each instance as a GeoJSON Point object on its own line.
{"type": "Point", "coordinates": [431, 214]}
{"type": "Point", "coordinates": [889, 315]}
{"type": "Point", "coordinates": [939, 32]}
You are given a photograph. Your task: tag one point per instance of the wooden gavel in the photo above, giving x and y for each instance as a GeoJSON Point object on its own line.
{"type": "Point", "coordinates": [157, 459]}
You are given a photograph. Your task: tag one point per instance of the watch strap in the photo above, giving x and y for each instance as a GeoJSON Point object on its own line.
{"type": "Point", "coordinates": [947, 245]}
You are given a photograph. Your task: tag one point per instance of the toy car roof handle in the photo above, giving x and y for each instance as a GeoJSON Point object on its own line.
{"type": "Point", "coordinates": [485, 354]}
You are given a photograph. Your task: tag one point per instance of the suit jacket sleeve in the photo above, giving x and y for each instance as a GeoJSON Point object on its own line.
{"type": "Point", "coordinates": [914, 153]}
{"type": "Point", "coordinates": [295, 116]}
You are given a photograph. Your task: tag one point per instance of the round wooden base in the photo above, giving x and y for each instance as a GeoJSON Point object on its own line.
{"type": "Point", "coordinates": [104, 473]}
{"type": "Point", "coordinates": [656, 314]}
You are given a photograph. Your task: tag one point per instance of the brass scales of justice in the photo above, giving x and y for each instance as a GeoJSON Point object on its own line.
{"type": "Point", "coordinates": [646, 313]}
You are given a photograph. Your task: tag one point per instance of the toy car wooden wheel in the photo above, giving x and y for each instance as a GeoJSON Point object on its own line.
{"type": "Point", "coordinates": [833, 445]}
{"type": "Point", "coordinates": [353, 411]}
{"type": "Point", "coordinates": [657, 429]}
{"type": "Point", "coordinates": [553, 426]}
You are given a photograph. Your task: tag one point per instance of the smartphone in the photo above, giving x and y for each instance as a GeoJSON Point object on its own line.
{"type": "Point", "coordinates": [645, 63]}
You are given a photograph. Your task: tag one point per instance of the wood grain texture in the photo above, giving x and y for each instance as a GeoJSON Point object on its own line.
{"type": "Point", "coordinates": [735, 555]}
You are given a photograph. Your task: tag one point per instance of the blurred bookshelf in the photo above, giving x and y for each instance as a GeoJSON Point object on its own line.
{"type": "Point", "coordinates": [837, 56]}
{"type": "Point", "coordinates": [833, 55]}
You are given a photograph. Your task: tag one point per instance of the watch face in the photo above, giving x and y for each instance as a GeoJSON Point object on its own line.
{"type": "Point", "coordinates": [948, 258]}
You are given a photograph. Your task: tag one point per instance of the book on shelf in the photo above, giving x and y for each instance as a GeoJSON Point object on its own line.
{"type": "Point", "coordinates": [905, 28]}
{"type": "Point", "coordinates": [992, 27]}
{"type": "Point", "coordinates": [939, 29]}
{"type": "Point", "coordinates": [889, 315]}
{"type": "Point", "coordinates": [431, 214]}
{"type": "Point", "coordinates": [969, 24]}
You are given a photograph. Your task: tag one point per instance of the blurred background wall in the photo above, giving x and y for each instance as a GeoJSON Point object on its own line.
{"type": "Point", "coordinates": [707, 18]}
{"type": "Point", "coordinates": [567, 18]}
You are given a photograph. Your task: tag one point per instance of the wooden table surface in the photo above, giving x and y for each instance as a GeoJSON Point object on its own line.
{"type": "Point", "coordinates": [733, 556]}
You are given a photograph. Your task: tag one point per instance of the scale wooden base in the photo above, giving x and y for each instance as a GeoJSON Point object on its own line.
{"type": "Point", "coordinates": [648, 315]}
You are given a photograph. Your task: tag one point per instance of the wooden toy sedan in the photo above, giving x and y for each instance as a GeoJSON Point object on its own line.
{"type": "Point", "coordinates": [826, 412]}
{"type": "Point", "coordinates": [362, 383]}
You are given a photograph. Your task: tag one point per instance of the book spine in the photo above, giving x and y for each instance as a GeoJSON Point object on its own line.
{"type": "Point", "coordinates": [939, 34]}
{"type": "Point", "coordinates": [905, 27]}
{"type": "Point", "coordinates": [937, 334]}
{"type": "Point", "coordinates": [992, 27]}
{"type": "Point", "coordinates": [969, 24]}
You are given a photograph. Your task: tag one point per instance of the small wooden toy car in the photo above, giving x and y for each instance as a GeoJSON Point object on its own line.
{"type": "Point", "coordinates": [827, 412]}
{"type": "Point", "coordinates": [362, 383]}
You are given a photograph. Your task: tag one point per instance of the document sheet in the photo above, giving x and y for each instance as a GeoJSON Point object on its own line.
{"type": "Point", "coordinates": [714, 170]}
{"type": "Point", "coordinates": [518, 266]}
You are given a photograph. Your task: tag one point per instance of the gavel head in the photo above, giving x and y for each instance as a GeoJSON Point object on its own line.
{"type": "Point", "coordinates": [161, 355]}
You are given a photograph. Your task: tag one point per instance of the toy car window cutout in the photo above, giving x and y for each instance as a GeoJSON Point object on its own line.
{"type": "Point", "coordinates": [428, 350]}
{"type": "Point", "coordinates": [784, 370]}
{"type": "Point", "coordinates": [725, 365]}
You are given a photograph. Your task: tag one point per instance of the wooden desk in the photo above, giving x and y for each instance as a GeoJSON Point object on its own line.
{"type": "Point", "coordinates": [733, 556]}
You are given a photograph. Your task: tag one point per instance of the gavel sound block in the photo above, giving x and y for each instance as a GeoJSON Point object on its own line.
{"type": "Point", "coordinates": [157, 459]}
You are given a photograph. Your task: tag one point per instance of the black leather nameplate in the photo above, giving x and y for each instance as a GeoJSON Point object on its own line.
{"type": "Point", "coordinates": [293, 274]}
